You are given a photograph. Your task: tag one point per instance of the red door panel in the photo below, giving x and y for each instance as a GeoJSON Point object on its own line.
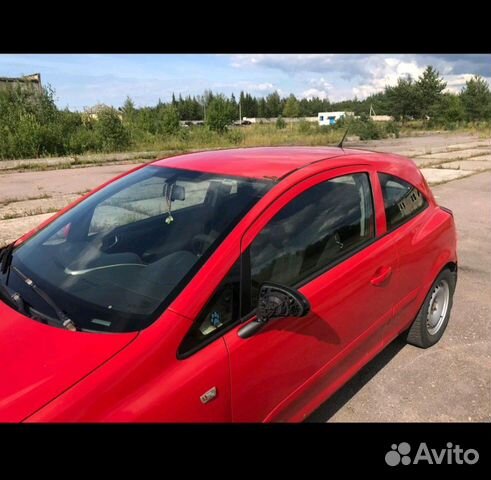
{"type": "Point", "coordinates": [275, 372]}
{"type": "Point", "coordinates": [269, 367]}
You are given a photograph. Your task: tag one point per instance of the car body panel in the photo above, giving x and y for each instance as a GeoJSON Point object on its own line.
{"type": "Point", "coordinates": [425, 244]}
{"type": "Point", "coordinates": [41, 362]}
{"type": "Point", "coordinates": [264, 162]}
{"type": "Point", "coordinates": [146, 383]}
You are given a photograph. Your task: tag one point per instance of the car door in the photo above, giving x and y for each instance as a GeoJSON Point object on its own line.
{"type": "Point", "coordinates": [320, 237]}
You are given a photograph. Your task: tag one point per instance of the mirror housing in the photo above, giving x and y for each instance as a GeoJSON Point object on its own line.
{"type": "Point", "coordinates": [276, 301]}
{"type": "Point", "coordinates": [178, 192]}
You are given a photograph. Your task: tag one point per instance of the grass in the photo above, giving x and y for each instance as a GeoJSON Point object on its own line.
{"type": "Point", "coordinates": [190, 139]}
{"type": "Point", "coordinates": [9, 200]}
{"type": "Point", "coordinates": [30, 213]}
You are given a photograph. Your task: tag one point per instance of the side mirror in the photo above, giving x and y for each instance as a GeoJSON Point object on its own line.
{"type": "Point", "coordinates": [276, 301]}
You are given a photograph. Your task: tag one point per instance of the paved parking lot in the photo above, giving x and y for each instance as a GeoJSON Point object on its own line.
{"type": "Point", "coordinates": [452, 380]}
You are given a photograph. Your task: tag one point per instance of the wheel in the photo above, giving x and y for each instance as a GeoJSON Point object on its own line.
{"type": "Point", "coordinates": [432, 319]}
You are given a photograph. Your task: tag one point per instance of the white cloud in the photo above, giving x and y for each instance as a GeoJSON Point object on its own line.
{"type": "Point", "coordinates": [320, 88]}
{"type": "Point", "coordinates": [456, 82]}
{"type": "Point", "coordinates": [346, 75]}
{"type": "Point", "coordinates": [385, 71]}
{"type": "Point", "coordinates": [246, 86]}
{"type": "Point", "coordinates": [286, 62]}
{"type": "Point", "coordinates": [314, 92]}
{"type": "Point", "coordinates": [259, 87]}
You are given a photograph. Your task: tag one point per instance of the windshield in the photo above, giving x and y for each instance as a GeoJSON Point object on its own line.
{"type": "Point", "coordinates": [114, 262]}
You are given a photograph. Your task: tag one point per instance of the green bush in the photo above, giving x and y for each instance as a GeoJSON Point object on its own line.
{"type": "Point", "coordinates": [30, 123]}
{"type": "Point", "coordinates": [235, 136]}
{"type": "Point", "coordinates": [280, 123]}
{"type": "Point", "coordinates": [83, 140]}
{"type": "Point", "coordinates": [219, 114]}
{"type": "Point", "coordinates": [111, 134]}
{"type": "Point", "coordinates": [392, 128]}
{"type": "Point", "coordinates": [367, 129]}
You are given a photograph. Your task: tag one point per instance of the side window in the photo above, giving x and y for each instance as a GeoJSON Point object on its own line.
{"type": "Point", "coordinates": [221, 311]}
{"type": "Point", "coordinates": [402, 201]}
{"type": "Point", "coordinates": [314, 230]}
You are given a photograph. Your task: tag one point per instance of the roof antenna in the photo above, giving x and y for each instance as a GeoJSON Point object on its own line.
{"type": "Point", "coordinates": [340, 144]}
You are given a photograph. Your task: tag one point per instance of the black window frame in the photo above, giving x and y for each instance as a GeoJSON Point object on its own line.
{"type": "Point", "coordinates": [246, 309]}
{"type": "Point", "coordinates": [409, 217]}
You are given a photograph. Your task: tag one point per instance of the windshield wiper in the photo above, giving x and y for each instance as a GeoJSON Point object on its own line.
{"type": "Point", "coordinates": [6, 257]}
{"type": "Point", "coordinates": [65, 321]}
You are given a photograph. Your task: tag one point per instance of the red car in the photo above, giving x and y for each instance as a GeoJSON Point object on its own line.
{"type": "Point", "coordinates": [243, 285]}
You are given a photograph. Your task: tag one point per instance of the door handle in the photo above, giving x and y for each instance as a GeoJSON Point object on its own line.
{"type": "Point", "coordinates": [382, 274]}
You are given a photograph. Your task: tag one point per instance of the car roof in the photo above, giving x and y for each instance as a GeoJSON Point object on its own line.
{"type": "Point", "coordinates": [266, 162]}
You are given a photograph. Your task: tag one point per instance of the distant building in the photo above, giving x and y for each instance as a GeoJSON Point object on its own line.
{"type": "Point", "coordinates": [92, 113]}
{"type": "Point", "coordinates": [330, 118]}
{"type": "Point", "coordinates": [250, 120]}
{"type": "Point", "coordinates": [30, 81]}
{"type": "Point", "coordinates": [381, 118]}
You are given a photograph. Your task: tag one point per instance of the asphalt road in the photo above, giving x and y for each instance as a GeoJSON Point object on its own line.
{"type": "Point", "coordinates": [450, 381]}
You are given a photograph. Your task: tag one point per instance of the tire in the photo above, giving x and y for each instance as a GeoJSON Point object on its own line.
{"type": "Point", "coordinates": [432, 319]}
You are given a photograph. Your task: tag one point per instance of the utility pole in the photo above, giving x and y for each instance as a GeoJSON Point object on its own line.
{"type": "Point", "coordinates": [240, 113]}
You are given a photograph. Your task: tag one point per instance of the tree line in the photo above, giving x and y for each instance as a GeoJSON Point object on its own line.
{"type": "Point", "coordinates": [422, 98]}
{"type": "Point", "coordinates": [31, 125]}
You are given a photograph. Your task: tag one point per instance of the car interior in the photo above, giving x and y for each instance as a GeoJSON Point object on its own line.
{"type": "Point", "coordinates": [133, 266]}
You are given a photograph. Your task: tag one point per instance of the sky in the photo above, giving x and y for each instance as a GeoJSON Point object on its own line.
{"type": "Point", "coordinates": [83, 80]}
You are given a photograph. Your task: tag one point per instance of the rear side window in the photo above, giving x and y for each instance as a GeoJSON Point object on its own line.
{"type": "Point", "coordinates": [402, 201]}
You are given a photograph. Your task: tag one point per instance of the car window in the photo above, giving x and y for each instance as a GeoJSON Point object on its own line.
{"type": "Point", "coordinates": [119, 273]}
{"type": "Point", "coordinates": [313, 231]}
{"type": "Point", "coordinates": [402, 201]}
{"type": "Point", "coordinates": [221, 311]}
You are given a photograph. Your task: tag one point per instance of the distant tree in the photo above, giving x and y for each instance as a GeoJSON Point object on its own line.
{"type": "Point", "coordinates": [428, 91]}
{"type": "Point", "coordinates": [129, 111]}
{"type": "Point", "coordinates": [262, 108]}
{"type": "Point", "coordinates": [476, 99]}
{"type": "Point", "coordinates": [170, 120]}
{"type": "Point", "coordinates": [448, 109]}
{"type": "Point", "coordinates": [248, 105]}
{"type": "Point", "coordinates": [292, 107]}
{"type": "Point", "coordinates": [273, 105]}
{"type": "Point", "coordinates": [219, 114]}
{"type": "Point", "coordinates": [207, 97]}
{"type": "Point", "coordinates": [402, 98]}
{"type": "Point", "coordinates": [378, 102]}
